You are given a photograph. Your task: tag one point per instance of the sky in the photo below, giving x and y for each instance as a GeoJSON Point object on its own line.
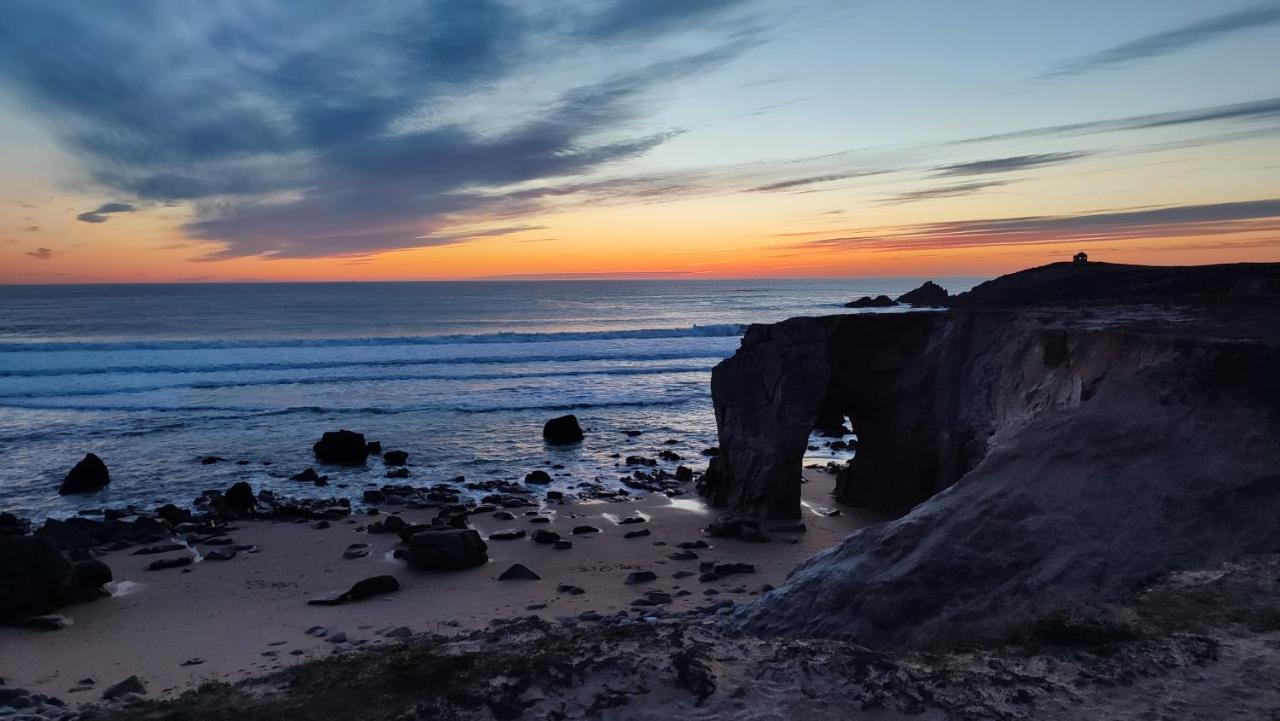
{"type": "Point", "coordinates": [237, 140]}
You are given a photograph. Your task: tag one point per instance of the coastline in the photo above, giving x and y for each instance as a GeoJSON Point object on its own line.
{"type": "Point", "coordinates": [249, 615]}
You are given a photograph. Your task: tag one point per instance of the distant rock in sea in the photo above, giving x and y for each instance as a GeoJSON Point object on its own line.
{"type": "Point", "coordinates": [88, 476]}
{"type": "Point", "coordinates": [562, 431]}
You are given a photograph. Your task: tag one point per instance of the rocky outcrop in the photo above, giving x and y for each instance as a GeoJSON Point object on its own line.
{"type": "Point", "coordinates": [36, 578]}
{"type": "Point", "coordinates": [1051, 447]}
{"type": "Point", "coordinates": [343, 448]}
{"type": "Point", "coordinates": [88, 476]}
{"type": "Point", "coordinates": [561, 431]}
{"type": "Point", "coordinates": [929, 295]}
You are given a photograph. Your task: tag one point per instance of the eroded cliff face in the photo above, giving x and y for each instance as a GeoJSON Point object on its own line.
{"type": "Point", "coordinates": [1047, 458]}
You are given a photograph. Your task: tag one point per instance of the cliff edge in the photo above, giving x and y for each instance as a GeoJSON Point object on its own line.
{"type": "Point", "coordinates": [1058, 437]}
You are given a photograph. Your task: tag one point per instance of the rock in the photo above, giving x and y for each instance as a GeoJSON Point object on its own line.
{"type": "Point", "coordinates": [240, 497]}
{"type": "Point", "coordinates": [684, 474]}
{"type": "Point", "coordinates": [398, 473]}
{"type": "Point", "coordinates": [562, 431]}
{"type": "Point", "coordinates": [692, 545]}
{"type": "Point", "coordinates": [562, 545]}
{"type": "Point", "coordinates": [343, 448]}
{"type": "Point", "coordinates": [694, 671]}
{"type": "Point", "coordinates": [356, 551]}
{"type": "Point", "coordinates": [929, 295]}
{"type": "Point", "coordinates": [504, 516]}
{"type": "Point", "coordinates": [790, 528]}
{"type": "Point", "coordinates": [540, 478]}
{"type": "Point", "coordinates": [640, 461]}
{"type": "Point", "coordinates": [162, 548]}
{"type": "Point", "coordinates": [540, 520]}
{"type": "Point", "coordinates": [395, 458]}
{"type": "Point", "coordinates": [131, 685]}
{"type": "Point", "coordinates": [36, 579]}
{"type": "Point", "coordinates": [225, 553]}
{"type": "Point", "coordinates": [580, 530]}
{"type": "Point", "coordinates": [636, 534]}
{"type": "Point", "coordinates": [544, 536]}
{"type": "Point", "coordinates": [667, 455]}
{"type": "Point", "coordinates": [310, 476]}
{"type": "Point", "coordinates": [640, 577]}
{"type": "Point", "coordinates": [569, 589]}
{"type": "Point", "coordinates": [630, 520]}
{"type": "Point", "coordinates": [374, 447]}
{"type": "Point", "coordinates": [366, 588]}
{"type": "Point", "coordinates": [510, 534]}
{"type": "Point", "coordinates": [374, 496]}
{"type": "Point", "coordinates": [399, 632]}
{"type": "Point", "coordinates": [88, 476]}
{"type": "Point", "coordinates": [1083, 448]}
{"type": "Point", "coordinates": [339, 637]}
{"type": "Point", "coordinates": [519, 572]}
{"type": "Point", "coordinates": [683, 556]}
{"type": "Point", "coordinates": [45, 622]}
{"type": "Point", "coordinates": [866, 301]}
{"type": "Point", "coordinates": [210, 460]}
{"type": "Point", "coordinates": [192, 662]}
{"type": "Point", "coordinates": [167, 563]}
{"type": "Point", "coordinates": [451, 549]}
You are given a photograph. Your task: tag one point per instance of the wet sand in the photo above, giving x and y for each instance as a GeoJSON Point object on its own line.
{"type": "Point", "coordinates": [250, 614]}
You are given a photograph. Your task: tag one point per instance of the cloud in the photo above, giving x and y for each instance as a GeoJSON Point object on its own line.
{"type": "Point", "coordinates": [1172, 41]}
{"type": "Point", "coordinates": [41, 253]}
{"type": "Point", "coordinates": [814, 180]}
{"type": "Point", "coordinates": [1267, 109]}
{"type": "Point", "coordinates": [945, 191]}
{"type": "Point", "coordinates": [1005, 165]}
{"type": "Point", "coordinates": [310, 129]}
{"type": "Point", "coordinates": [102, 213]}
{"type": "Point", "coordinates": [1123, 224]}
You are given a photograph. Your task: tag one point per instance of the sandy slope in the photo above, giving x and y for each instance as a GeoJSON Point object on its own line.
{"type": "Point", "coordinates": [231, 614]}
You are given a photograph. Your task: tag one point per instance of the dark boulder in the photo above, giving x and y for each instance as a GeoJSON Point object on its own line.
{"type": "Point", "coordinates": [11, 525]}
{"type": "Point", "coordinates": [35, 578]}
{"type": "Point", "coordinates": [309, 476]}
{"type": "Point", "coordinates": [395, 458]}
{"type": "Point", "coordinates": [866, 301]}
{"type": "Point", "coordinates": [544, 536]}
{"type": "Point", "coordinates": [131, 685]}
{"type": "Point", "coordinates": [366, 588]}
{"type": "Point", "coordinates": [540, 478]}
{"type": "Point", "coordinates": [89, 476]}
{"type": "Point", "coordinates": [240, 497]}
{"type": "Point", "coordinates": [929, 295]}
{"type": "Point", "coordinates": [343, 448]}
{"type": "Point", "coordinates": [447, 549]}
{"type": "Point", "coordinates": [562, 431]}
{"type": "Point", "coordinates": [519, 572]}
{"type": "Point", "coordinates": [640, 577]}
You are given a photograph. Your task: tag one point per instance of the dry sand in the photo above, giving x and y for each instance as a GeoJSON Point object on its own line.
{"type": "Point", "coordinates": [250, 614]}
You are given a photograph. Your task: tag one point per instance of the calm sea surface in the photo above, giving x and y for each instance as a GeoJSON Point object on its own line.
{"type": "Point", "coordinates": [461, 375]}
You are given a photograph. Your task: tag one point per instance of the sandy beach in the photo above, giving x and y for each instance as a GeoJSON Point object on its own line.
{"type": "Point", "coordinates": [228, 620]}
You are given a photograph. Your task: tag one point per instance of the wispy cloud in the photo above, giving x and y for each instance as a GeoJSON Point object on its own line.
{"type": "Point", "coordinates": [40, 253]}
{"type": "Point", "coordinates": [1009, 164]}
{"type": "Point", "coordinates": [1125, 224]}
{"type": "Point", "coordinates": [814, 180]}
{"type": "Point", "coordinates": [1171, 41]}
{"type": "Point", "coordinates": [103, 212]}
{"type": "Point", "coordinates": [945, 191]}
{"type": "Point", "coordinates": [1266, 110]}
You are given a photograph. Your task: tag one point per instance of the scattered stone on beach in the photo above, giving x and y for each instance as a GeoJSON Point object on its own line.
{"type": "Point", "coordinates": [509, 534]}
{"type": "Point", "coordinates": [562, 431]}
{"type": "Point", "coordinates": [744, 528]}
{"type": "Point", "coordinates": [504, 516]}
{"type": "Point", "coordinates": [321, 525]}
{"type": "Point", "coordinates": [224, 553]}
{"type": "Point", "coordinates": [398, 473]}
{"type": "Point", "coordinates": [88, 476]}
{"type": "Point", "coordinates": [519, 572]}
{"type": "Point", "coordinates": [339, 637]}
{"type": "Point", "coordinates": [167, 563]}
{"type": "Point", "coordinates": [640, 577]}
{"type": "Point", "coordinates": [240, 497]}
{"type": "Point", "coordinates": [631, 520]}
{"type": "Point", "coordinates": [356, 551]}
{"type": "Point", "coordinates": [539, 519]}
{"type": "Point", "coordinates": [395, 458]}
{"type": "Point", "coordinates": [683, 556]}
{"type": "Point", "coordinates": [636, 534]}
{"type": "Point", "coordinates": [373, 495]}
{"type": "Point", "coordinates": [131, 685]}
{"type": "Point", "coordinates": [653, 598]}
{"type": "Point", "coordinates": [562, 545]}
{"type": "Point", "coordinates": [580, 530]}
{"type": "Point", "coordinates": [192, 662]}
{"type": "Point", "coordinates": [44, 622]}
{"type": "Point", "coordinates": [569, 589]}
{"type": "Point", "coordinates": [446, 549]}
{"type": "Point", "coordinates": [366, 588]}
{"type": "Point", "coordinates": [640, 461]}
{"type": "Point", "coordinates": [399, 632]}
{"type": "Point", "coordinates": [343, 448]}
{"type": "Point", "coordinates": [684, 474]}
{"type": "Point", "coordinates": [692, 545]}
{"type": "Point", "coordinates": [544, 536]}
{"type": "Point", "coordinates": [540, 478]}
{"type": "Point", "coordinates": [716, 571]}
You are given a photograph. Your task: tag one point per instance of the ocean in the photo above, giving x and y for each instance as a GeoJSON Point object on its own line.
{"type": "Point", "coordinates": [461, 375]}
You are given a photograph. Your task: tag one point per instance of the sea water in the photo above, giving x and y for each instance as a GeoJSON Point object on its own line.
{"type": "Point", "coordinates": [461, 375]}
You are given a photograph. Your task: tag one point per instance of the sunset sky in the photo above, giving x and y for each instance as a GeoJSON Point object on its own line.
{"type": "Point", "coordinates": [256, 140]}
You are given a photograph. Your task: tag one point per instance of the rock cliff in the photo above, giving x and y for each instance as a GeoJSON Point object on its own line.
{"type": "Point", "coordinates": [1056, 438]}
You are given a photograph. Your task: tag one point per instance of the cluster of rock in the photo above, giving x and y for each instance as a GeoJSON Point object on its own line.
{"type": "Point", "coordinates": [929, 295]}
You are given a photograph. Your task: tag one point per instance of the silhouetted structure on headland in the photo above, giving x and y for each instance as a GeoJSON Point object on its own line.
{"type": "Point", "coordinates": [1080, 258]}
